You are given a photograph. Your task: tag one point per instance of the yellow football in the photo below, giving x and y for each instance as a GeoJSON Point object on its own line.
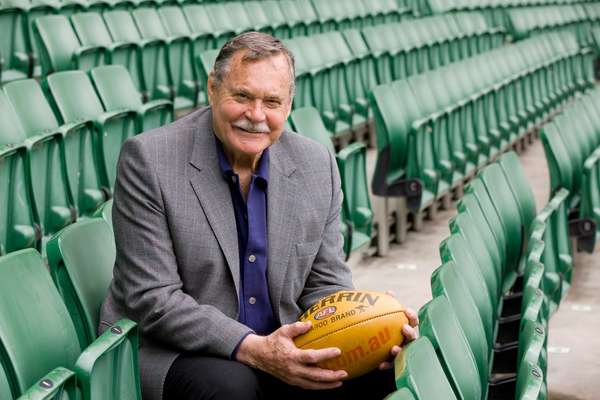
{"type": "Point", "coordinates": [364, 325]}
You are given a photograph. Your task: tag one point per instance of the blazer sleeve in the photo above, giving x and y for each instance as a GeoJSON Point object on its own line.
{"type": "Point", "coordinates": [329, 272]}
{"type": "Point", "coordinates": [146, 278]}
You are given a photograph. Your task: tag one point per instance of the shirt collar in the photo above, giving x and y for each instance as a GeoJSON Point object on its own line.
{"type": "Point", "coordinates": [262, 169]}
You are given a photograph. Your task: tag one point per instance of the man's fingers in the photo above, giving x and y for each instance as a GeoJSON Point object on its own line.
{"type": "Point", "coordinates": [413, 317]}
{"type": "Point", "coordinates": [314, 356]}
{"type": "Point", "coordinates": [386, 365]}
{"type": "Point", "coordinates": [409, 333]}
{"type": "Point", "coordinates": [312, 385]}
{"type": "Point", "coordinates": [295, 329]}
{"type": "Point", "coordinates": [395, 350]}
{"type": "Point", "coordinates": [316, 374]}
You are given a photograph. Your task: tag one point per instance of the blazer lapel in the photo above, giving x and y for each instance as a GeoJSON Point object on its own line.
{"type": "Point", "coordinates": [281, 220]}
{"type": "Point", "coordinates": [214, 196]}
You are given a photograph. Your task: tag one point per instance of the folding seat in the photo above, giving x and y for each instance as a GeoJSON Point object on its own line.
{"type": "Point", "coordinates": [290, 14]}
{"type": "Point", "coordinates": [447, 283]}
{"type": "Point", "coordinates": [401, 394]}
{"type": "Point", "coordinates": [358, 14]}
{"type": "Point", "coordinates": [204, 65]}
{"type": "Point", "coordinates": [224, 28]}
{"type": "Point", "coordinates": [398, 147]}
{"type": "Point", "coordinates": [37, 118]}
{"type": "Point", "coordinates": [45, 169]}
{"type": "Point", "coordinates": [351, 161]}
{"type": "Point", "coordinates": [41, 336]}
{"type": "Point", "coordinates": [307, 13]}
{"type": "Point", "coordinates": [252, 12]}
{"type": "Point", "coordinates": [361, 74]}
{"type": "Point", "coordinates": [18, 61]}
{"type": "Point", "coordinates": [438, 322]}
{"type": "Point", "coordinates": [76, 100]}
{"type": "Point", "coordinates": [456, 248]}
{"type": "Point", "coordinates": [117, 92]}
{"type": "Point", "coordinates": [92, 31]}
{"type": "Point", "coordinates": [152, 54]}
{"type": "Point", "coordinates": [559, 162]}
{"type": "Point", "coordinates": [59, 48]}
{"type": "Point", "coordinates": [309, 123]}
{"type": "Point", "coordinates": [380, 40]}
{"type": "Point", "coordinates": [327, 14]}
{"type": "Point", "coordinates": [200, 24]}
{"type": "Point", "coordinates": [590, 191]}
{"type": "Point", "coordinates": [303, 97]}
{"type": "Point", "coordinates": [82, 273]}
{"type": "Point", "coordinates": [19, 221]}
{"type": "Point", "coordinates": [105, 212]}
{"type": "Point", "coordinates": [530, 382]}
{"type": "Point", "coordinates": [278, 24]}
{"type": "Point", "coordinates": [179, 54]}
{"type": "Point", "coordinates": [418, 369]}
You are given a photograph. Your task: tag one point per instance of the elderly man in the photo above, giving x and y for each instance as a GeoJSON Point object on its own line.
{"type": "Point", "coordinates": [227, 228]}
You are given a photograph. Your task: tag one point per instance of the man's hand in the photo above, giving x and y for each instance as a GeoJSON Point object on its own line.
{"type": "Point", "coordinates": [277, 355]}
{"type": "Point", "coordinates": [408, 332]}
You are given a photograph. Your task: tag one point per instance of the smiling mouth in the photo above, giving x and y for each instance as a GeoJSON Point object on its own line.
{"type": "Point", "coordinates": [249, 132]}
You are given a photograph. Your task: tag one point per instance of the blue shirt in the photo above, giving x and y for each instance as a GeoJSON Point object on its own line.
{"type": "Point", "coordinates": [256, 310]}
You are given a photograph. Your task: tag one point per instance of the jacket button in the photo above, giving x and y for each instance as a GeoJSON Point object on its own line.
{"type": "Point", "coordinates": [252, 258]}
{"type": "Point", "coordinates": [252, 300]}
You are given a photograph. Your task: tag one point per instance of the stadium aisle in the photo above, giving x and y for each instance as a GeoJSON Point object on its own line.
{"type": "Point", "coordinates": [574, 343]}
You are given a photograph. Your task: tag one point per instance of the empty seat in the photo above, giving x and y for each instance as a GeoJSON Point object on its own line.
{"type": "Point", "coordinates": [60, 49]}
{"type": "Point", "coordinates": [76, 100]}
{"type": "Point", "coordinates": [105, 212]}
{"type": "Point", "coordinates": [82, 272]}
{"type": "Point", "coordinates": [418, 369]}
{"type": "Point", "coordinates": [117, 92]}
{"type": "Point", "coordinates": [46, 170]}
{"type": "Point", "coordinates": [37, 118]}
{"type": "Point", "coordinates": [92, 31]}
{"type": "Point", "coordinates": [18, 62]}
{"type": "Point", "coordinates": [40, 336]}
{"type": "Point", "coordinates": [439, 324]}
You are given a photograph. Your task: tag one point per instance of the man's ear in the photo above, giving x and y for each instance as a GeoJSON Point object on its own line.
{"type": "Point", "coordinates": [210, 86]}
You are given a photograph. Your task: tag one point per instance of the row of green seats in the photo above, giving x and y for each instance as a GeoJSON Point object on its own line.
{"type": "Point", "coordinates": [571, 144]}
{"type": "Point", "coordinates": [50, 349]}
{"type": "Point", "coordinates": [206, 25]}
{"type": "Point", "coordinates": [59, 143]}
{"type": "Point", "coordinates": [443, 6]}
{"type": "Point", "coordinates": [357, 214]}
{"type": "Point", "coordinates": [418, 45]}
{"type": "Point", "coordinates": [467, 112]}
{"type": "Point", "coordinates": [524, 22]}
{"type": "Point", "coordinates": [484, 333]}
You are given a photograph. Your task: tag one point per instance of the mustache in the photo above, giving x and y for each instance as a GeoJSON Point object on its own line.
{"type": "Point", "coordinates": [248, 126]}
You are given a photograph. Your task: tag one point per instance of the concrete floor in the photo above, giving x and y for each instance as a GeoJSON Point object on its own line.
{"type": "Point", "coordinates": [574, 342]}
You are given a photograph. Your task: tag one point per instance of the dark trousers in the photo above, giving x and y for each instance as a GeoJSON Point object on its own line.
{"type": "Point", "coordinates": [193, 377]}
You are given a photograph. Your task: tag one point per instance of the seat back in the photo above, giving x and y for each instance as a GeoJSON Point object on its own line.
{"type": "Point", "coordinates": [115, 88]}
{"type": "Point", "coordinates": [90, 29]}
{"type": "Point", "coordinates": [81, 259]}
{"type": "Point", "coordinates": [308, 122]}
{"type": "Point", "coordinates": [418, 369]}
{"type": "Point", "coordinates": [40, 335]}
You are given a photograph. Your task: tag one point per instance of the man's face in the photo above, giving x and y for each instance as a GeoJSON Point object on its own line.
{"type": "Point", "coordinates": [251, 104]}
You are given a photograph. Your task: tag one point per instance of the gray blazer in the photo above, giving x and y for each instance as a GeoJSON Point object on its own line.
{"type": "Point", "coordinates": [177, 269]}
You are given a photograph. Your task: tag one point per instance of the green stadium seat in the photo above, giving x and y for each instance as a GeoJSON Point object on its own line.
{"type": "Point", "coordinates": [293, 17]}
{"type": "Point", "coordinates": [308, 123]}
{"type": "Point", "coordinates": [440, 325]}
{"type": "Point", "coordinates": [278, 24]}
{"type": "Point", "coordinates": [45, 169]}
{"type": "Point", "coordinates": [307, 13]}
{"type": "Point", "coordinates": [60, 49]}
{"type": "Point", "coordinates": [41, 336]}
{"type": "Point", "coordinates": [353, 172]}
{"type": "Point", "coordinates": [205, 62]}
{"type": "Point", "coordinates": [18, 61]}
{"type": "Point", "coordinates": [180, 57]}
{"type": "Point", "coordinates": [590, 196]}
{"type": "Point", "coordinates": [447, 282]}
{"type": "Point", "coordinates": [558, 158]}
{"type": "Point", "coordinates": [201, 26]}
{"type": "Point", "coordinates": [76, 100]}
{"type": "Point", "coordinates": [418, 369]}
{"type": "Point", "coordinates": [455, 248]}
{"type": "Point", "coordinates": [92, 31]}
{"type": "Point", "coordinates": [255, 15]}
{"type": "Point", "coordinates": [401, 394]}
{"type": "Point", "coordinates": [36, 117]}
{"type": "Point", "coordinates": [361, 73]}
{"type": "Point", "coordinates": [224, 28]}
{"type": "Point", "coordinates": [105, 212]}
{"type": "Point", "coordinates": [530, 382]}
{"type": "Point", "coordinates": [19, 222]}
{"type": "Point", "coordinates": [117, 92]}
{"type": "Point", "coordinates": [82, 273]}
{"type": "Point", "coordinates": [153, 58]}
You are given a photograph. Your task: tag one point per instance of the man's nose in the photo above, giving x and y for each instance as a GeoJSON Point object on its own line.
{"type": "Point", "coordinates": [255, 112]}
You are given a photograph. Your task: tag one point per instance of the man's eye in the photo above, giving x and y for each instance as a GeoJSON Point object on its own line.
{"type": "Point", "coordinates": [241, 96]}
{"type": "Point", "coordinates": [272, 103]}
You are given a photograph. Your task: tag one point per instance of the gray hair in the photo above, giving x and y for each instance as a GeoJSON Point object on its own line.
{"type": "Point", "coordinates": [256, 46]}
